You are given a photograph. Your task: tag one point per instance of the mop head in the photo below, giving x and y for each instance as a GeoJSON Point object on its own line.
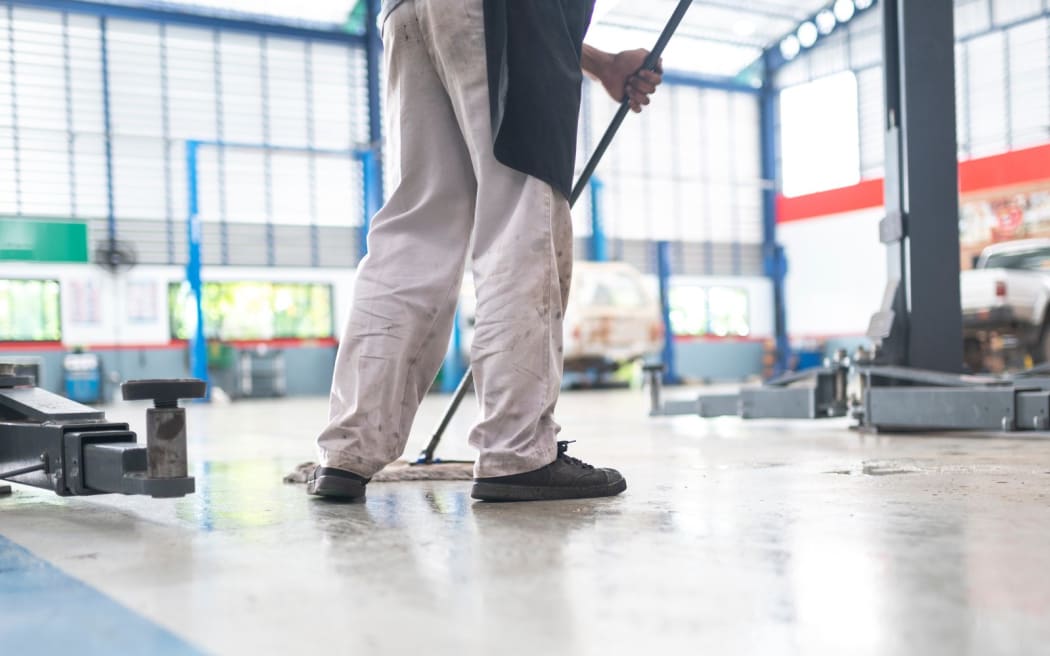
{"type": "Point", "coordinates": [402, 470]}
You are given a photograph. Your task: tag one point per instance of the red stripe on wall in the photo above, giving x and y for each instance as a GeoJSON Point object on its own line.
{"type": "Point", "coordinates": [1007, 170]}
{"type": "Point", "coordinates": [1011, 169]}
{"type": "Point", "coordinates": [19, 347]}
{"type": "Point", "coordinates": [836, 201]}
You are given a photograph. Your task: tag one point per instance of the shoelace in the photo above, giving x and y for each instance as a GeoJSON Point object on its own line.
{"type": "Point", "coordinates": [563, 447]}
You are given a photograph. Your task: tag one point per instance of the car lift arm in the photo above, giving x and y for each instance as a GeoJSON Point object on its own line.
{"type": "Point", "coordinates": [50, 442]}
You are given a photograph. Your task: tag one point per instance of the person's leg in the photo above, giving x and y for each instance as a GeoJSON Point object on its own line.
{"type": "Point", "coordinates": [521, 263]}
{"type": "Point", "coordinates": [407, 286]}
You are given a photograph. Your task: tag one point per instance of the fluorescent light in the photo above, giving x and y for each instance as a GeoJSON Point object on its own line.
{"type": "Point", "coordinates": [790, 47]}
{"type": "Point", "coordinates": [844, 10]}
{"type": "Point", "coordinates": [807, 34]}
{"type": "Point", "coordinates": [826, 21]}
{"type": "Point", "coordinates": [863, 4]}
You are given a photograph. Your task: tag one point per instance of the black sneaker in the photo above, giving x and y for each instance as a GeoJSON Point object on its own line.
{"type": "Point", "coordinates": [336, 483]}
{"type": "Point", "coordinates": [565, 478]}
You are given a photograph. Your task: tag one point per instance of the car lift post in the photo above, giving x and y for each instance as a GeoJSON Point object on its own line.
{"type": "Point", "coordinates": [913, 382]}
{"type": "Point", "coordinates": [50, 442]}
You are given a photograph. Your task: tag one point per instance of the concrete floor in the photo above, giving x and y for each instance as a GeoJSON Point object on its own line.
{"type": "Point", "coordinates": [764, 538]}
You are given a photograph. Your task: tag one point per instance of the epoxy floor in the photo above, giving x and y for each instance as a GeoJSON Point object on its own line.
{"type": "Point", "coordinates": [733, 538]}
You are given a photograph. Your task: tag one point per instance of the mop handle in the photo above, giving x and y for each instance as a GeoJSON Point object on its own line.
{"type": "Point", "coordinates": [650, 64]}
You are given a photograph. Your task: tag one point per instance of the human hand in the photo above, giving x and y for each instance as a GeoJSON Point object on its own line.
{"type": "Point", "coordinates": [622, 77]}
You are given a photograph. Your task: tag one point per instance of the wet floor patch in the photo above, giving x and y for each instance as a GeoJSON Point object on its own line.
{"type": "Point", "coordinates": [878, 468]}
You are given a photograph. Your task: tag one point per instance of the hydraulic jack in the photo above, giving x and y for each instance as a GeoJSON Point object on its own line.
{"type": "Point", "coordinates": [50, 442]}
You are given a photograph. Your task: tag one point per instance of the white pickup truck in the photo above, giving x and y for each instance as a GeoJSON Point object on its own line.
{"type": "Point", "coordinates": [1005, 299]}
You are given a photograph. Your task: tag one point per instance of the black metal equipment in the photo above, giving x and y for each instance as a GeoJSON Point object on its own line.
{"type": "Point", "coordinates": [50, 442]}
{"type": "Point", "coordinates": [650, 64]}
{"type": "Point", "coordinates": [912, 381]}
{"type": "Point", "coordinates": [882, 398]}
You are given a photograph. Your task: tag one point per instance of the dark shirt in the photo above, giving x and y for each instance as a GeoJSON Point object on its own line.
{"type": "Point", "coordinates": [533, 51]}
{"type": "Point", "coordinates": [533, 48]}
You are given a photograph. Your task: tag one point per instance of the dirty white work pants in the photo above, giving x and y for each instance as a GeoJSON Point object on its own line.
{"type": "Point", "coordinates": [407, 286]}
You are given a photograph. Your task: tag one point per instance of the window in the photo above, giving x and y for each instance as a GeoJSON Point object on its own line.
{"type": "Point", "coordinates": [30, 311]}
{"type": "Point", "coordinates": [720, 311]}
{"type": "Point", "coordinates": [254, 310]}
{"type": "Point", "coordinates": [819, 135]}
{"type": "Point", "coordinates": [728, 311]}
{"type": "Point", "coordinates": [689, 311]}
{"type": "Point", "coordinates": [1037, 259]}
{"type": "Point", "coordinates": [617, 290]}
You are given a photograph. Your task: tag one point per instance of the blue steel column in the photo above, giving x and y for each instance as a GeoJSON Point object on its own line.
{"type": "Point", "coordinates": [599, 252]}
{"type": "Point", "coordinates": [453, 370]}
{"type": "Point", "coordinates": [372, 193]}
{"type": "Point", "coordinates": [773, 257]}
{"type": "Point", "coordinates": [198, 342]}
{"type": "Point", "coordinates": [373, 51]}
{"type": "Point", "coordinates": [372, 158]}
{"type": "Point", "coordinates": [663, 272]}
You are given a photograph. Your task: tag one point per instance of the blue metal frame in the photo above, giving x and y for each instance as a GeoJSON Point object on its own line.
{"type": "Point", "coordinates": [372, 157]}
{"type": "Point", "coordinates": [774, 259]}
{"type": "Point", "coordinates": [453, 370]}
{"type": "Point", "coordinates": [198, 341]}
{"type": "Point", "coordinates": [599, 250]}
{"type": "Point", "coordinates": [372, 194]}
{"type": "Point", "coordinates": [253, 24]}
{"type": "Point", "coordinates": [663, 274]}
{"type": "Point", "coordinates": [373, 52]}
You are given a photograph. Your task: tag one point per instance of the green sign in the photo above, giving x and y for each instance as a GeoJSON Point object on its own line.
{"type": "Point", "coordinates": [43, 240]}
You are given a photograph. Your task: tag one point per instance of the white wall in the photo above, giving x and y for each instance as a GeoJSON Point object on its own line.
{"type": "Point", "coordinates": [100, 308]}
{"type": "Point", "coordinates": [836, 273]}
{"type": "Point", "coordinates": [97, 306]}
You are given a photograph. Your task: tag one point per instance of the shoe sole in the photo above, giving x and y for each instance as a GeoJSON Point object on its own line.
{"type": "Point", "coordinates": [498, 492]}
{"type": "Point", "coordinates": [333, 487]}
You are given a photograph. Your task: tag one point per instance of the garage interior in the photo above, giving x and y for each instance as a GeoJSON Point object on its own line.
{"type": "Point", "coordinates": [835, 217]}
